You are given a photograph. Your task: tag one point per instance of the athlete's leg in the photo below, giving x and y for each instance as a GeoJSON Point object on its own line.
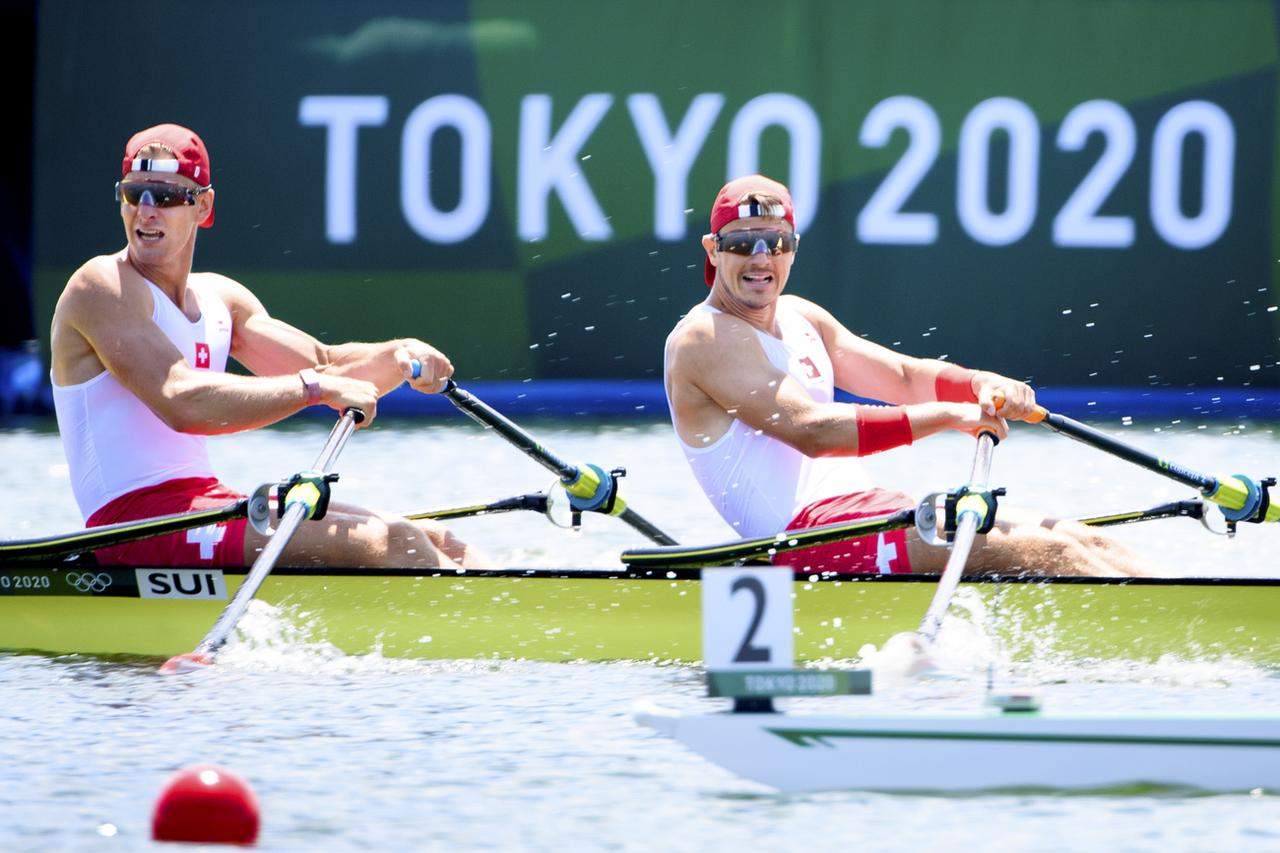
{"type": "Point", "coordinates": [454, 548]}
{"type": "Point", "coordinates": [353, 536]}
{"type": "Point", "coordinates": [1025, 541]}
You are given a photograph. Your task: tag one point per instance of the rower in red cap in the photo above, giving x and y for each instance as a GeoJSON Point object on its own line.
{"type": "Point", "coordinates": [750, 377]}
{"type": "Point", "coordinates": [139, 351]}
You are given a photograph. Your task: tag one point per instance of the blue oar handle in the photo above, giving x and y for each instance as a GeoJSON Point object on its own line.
{"type": "Point", "coordinates": [416, 367]}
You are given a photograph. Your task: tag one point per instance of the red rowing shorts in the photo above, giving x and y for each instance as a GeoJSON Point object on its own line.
{"type": "Point", "coordinates": [212, 545]}
{"type": "Point", "coordinates": [882, 553]}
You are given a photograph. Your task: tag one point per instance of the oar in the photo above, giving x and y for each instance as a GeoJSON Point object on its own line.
{"type": "Point", "coordinates": [300, 502]}
{"type": "Point", "coordinates": [1242, 498]}
{"type": "Point", "coordinates": [256, 509]}
{"type": "Point", "coordinates": [728, 553]}
{"type": "Point", "coordinates": [739, 550]}
{"type": "Point", "coordinates": [971, 514]}
{"type": "Point", "coordinates": [973, 511]}
{"type": "Point", "coordinates": [535, 501]}
{"type": "Point", "coordinates": [590, 488]}
{"type": "Point", "coordinates": [1190, 508]}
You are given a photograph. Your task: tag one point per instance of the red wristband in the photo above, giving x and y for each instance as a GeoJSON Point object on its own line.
{"type": "Point", "coordinates": [882, 428]}
{"type": "Point", "coordinates": [954, 384]}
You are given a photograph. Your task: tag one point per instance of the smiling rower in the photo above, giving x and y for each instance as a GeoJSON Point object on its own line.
{"type": "Point", "coordinates": [139, 351]}
{"type": "Point", "coordinates": [750, 375]}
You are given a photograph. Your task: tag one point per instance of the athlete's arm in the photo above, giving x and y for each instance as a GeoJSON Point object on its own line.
{"type": "Point", "coordinates": [719, 360]}
{"type": "Point", "coordinates": [114, 321]}
{"type": "Point", "coordinates": [268, 346]}
{"type": "Point", "coordinates": [869, 370]}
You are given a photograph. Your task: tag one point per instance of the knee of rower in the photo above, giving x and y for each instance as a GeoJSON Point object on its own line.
{"type": "Point", "coordinates": [1093, 540]}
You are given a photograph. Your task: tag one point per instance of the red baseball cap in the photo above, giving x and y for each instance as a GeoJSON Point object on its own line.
{"type": "Point", "coordinates": [191, 157]}
{"type": "Point", "coordinates": [728, 207]}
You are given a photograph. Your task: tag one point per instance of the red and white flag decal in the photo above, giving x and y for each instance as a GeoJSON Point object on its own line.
{"type": "Point", "coordinates": [202, 355]}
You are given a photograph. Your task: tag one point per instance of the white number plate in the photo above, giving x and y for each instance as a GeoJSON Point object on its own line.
{"type": "Point", "coordinates": [747, 618]}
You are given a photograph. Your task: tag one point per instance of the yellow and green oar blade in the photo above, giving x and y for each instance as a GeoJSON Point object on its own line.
{"type": "Point", "coordinates": [1242, 498]}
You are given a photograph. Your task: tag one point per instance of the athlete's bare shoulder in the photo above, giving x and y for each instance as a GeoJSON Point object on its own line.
{"type": "Point", "coordinates": [694, 326]}
{"type": "Point", "coordinates": [238, 298]}
{"type": "Point", "coordinates": [712, 330]}
{"type": "Point", "coordinates": [103, 300]}
{"type": "Point", "coordinates": [95, 275]}
{"type": "Point", "coordinates": [101, 281]}
{"type": "Point", "coordinates": [811, 311]}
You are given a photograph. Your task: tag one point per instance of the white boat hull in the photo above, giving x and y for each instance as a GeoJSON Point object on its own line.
{"type": "Point", "coordinates": [982, 751]}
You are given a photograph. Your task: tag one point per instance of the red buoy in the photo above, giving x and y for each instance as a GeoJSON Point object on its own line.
{"type": "Point", "coordinates": [205, 803]}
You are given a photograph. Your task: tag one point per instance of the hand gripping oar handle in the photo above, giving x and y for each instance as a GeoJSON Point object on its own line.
{"type": "Point", "coordinates": [590, 488]}
{"type": "Point", "coordinates": [971, 515]}
{"type": "Point", "coordinates": [1242, 498]}
{"type": "Point", "coordinates": [300, 503]}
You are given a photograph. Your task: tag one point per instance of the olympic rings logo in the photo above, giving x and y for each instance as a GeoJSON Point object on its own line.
{"type": "Point", "coordinates": [88, 581]}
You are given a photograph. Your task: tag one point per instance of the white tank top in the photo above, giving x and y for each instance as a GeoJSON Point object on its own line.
{"type": "Point", "coordinates": [114, 443]}
{"type": "Point", "coordinates": [756, 482]}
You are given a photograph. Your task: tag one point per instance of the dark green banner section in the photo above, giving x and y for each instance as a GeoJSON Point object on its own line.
{"type": "Point", "coordinates": [1080, 193]}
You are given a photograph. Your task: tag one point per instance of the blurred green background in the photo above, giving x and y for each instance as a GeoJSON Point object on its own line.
{"type": "Point", "coordinates": [1081, 193]}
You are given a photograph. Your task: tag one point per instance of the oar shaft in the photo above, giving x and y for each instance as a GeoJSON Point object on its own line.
{"type": "Point", "coordinates": [48, 547]}
{"type": "Point", "coordinates": [1242, 498]}
{"type": "Point", "coordinates": [1096, 438]}
{"type": "Point", "coordinates": [966, 532]}
{"type": "Point", "coordinates": [536, 501]}
{"type": "Point", "coordinates": [1193, 508]}
{"type": "Point", "coordinates": [482, 414]}
{"type": "Point", "coordinates": [728, 553]}
{"type": "Point", "coordinates": [584, 483]}
{"type": "Point", "coordinates": [294, 515]}
{"type": "Point", "coordinates": [642, 525]}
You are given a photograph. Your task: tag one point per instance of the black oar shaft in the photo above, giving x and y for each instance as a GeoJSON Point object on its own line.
{"type": "Point", "coordinates": [536, 501]}
{"type": "Point", "coordinates": [1176, 509]}
{"type": "Point", "coordinates": [569, 474]}
{"type": "Point", "coordinates": [646, 527]}
{"type": "Point", "coordinates": [48, 547]}
{"type": "Point", "coordinates": [1096, 438]}
{"type": "Point", "coordinates": [488, 417]}
{"type": "Point", "coordinates": [728, 553]}
{"type": "Point", "coordinates": [295, 514]}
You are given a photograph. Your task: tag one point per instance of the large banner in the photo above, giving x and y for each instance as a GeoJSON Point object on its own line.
{"type": "Point", "coordinates": [1079, 193]}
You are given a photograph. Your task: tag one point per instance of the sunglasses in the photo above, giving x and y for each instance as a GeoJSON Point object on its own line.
{"type": "Point", "coordinates": [772, 241]}
{"type": "Point", "coordinates": [157, 193]}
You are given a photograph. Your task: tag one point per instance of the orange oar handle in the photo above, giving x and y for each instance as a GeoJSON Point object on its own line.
{"type": "Point", "coordinates": [1038, 414]}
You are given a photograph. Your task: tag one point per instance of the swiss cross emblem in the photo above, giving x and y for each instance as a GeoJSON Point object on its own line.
{"type": "Point", "coordinates": [814, 373]}
{"type": "Point", "coordinates": [202, 355]}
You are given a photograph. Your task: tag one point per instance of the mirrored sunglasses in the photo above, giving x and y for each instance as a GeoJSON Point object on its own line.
{"type": "Point", "coordinates": [773, 241]}
{"type": "Point", "coordinates": [157, 193]}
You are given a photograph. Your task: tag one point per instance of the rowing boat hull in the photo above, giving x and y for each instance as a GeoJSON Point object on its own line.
{"type": "Point", "coordinates": [562, 615]}
{"type": "Point", "coordinates": [982, 751]}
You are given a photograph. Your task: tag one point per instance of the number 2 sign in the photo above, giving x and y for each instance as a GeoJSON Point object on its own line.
{"type": "Point", "coordinates": [747, 619]}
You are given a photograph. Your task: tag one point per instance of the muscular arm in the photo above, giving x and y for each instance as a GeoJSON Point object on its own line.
{"type": "Point", "coordinates": [717, 370]}
{"type": "Point", "coordinates": [267, 346]}
{"type": "Point", "coordinates": [878, 373]}
{"type": "Point", "coordinates": [100, 317]}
